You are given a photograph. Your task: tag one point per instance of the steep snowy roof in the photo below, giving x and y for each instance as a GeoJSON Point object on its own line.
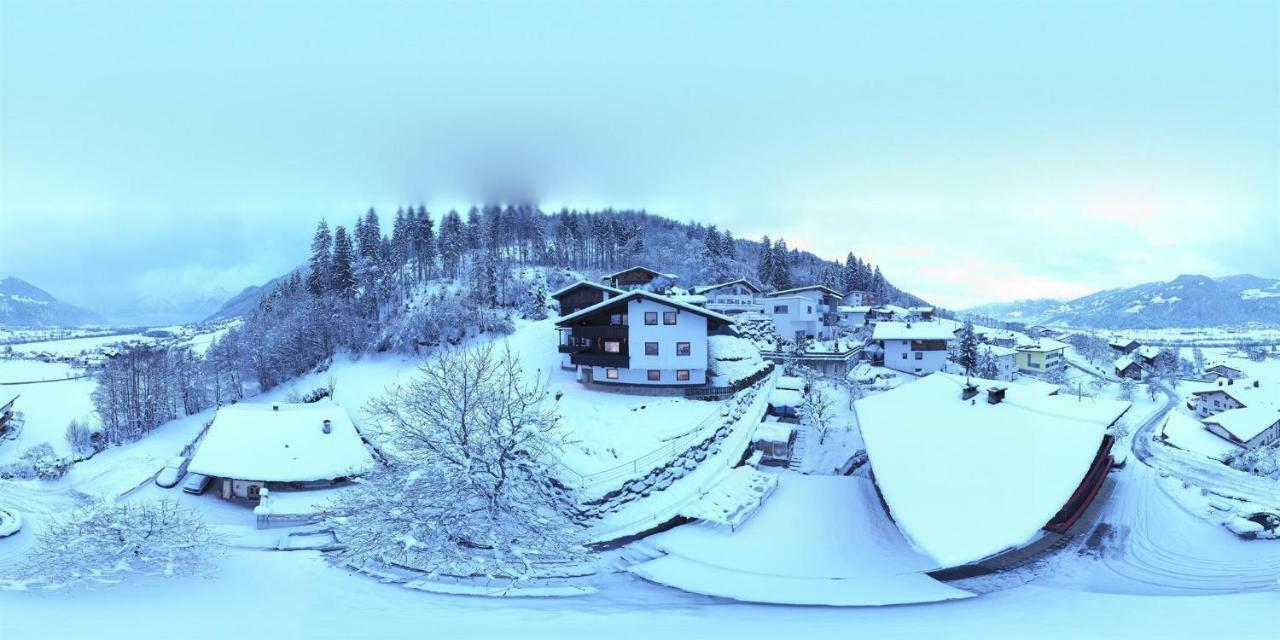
{"type": "Point", "coordinates": [912, 331]}
{"type": "Point", "coordinates": [253, 442]}
{"type": "Point", "coordinates": [586, 283]}
{"type": "Point", "coordinates": [1123, 362]}
{"type": "Point", "coordinates": [669, 276]}
{"type": "Point", "coordinates": [1245, 424]}
{"type": "Point", "coordinates": [965, 479]}
{"type": "Point", "coordinates": [1147, 352]}
{"type": "Point", "coordinates": [640, 293]}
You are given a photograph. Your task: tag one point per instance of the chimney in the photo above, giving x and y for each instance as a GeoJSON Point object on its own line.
{"type": "Point", "coordinates": [908, 325]}
{"type": "Point", "coordinates": [1230, 382]}
{"type": "Point", "coordinates": [275, 406]}
{"type": "Point", "coordinates": [995, 394]}
{"type": "Point", "coordinates": [970, 390]}
{"type": "Point", "coordinates": [328, 426]}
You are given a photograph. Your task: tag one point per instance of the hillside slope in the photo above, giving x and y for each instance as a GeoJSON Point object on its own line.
{"type": "Point", "coordinates": [23, 304]}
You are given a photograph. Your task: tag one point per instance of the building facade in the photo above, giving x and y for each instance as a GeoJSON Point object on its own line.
{"type": "Point", "coordinates": [913, 347]}
{"type": "Point", "coordinates": [736, 296]}
{"type": "Point", "coordinates": [811, 312]}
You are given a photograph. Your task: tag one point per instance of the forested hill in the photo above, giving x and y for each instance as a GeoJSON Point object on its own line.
{"type": "Point", "coordinates": [433, 247]}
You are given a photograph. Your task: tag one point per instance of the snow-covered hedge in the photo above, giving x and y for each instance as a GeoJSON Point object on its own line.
{"type": "Point", "coordinates": [40, 461]}
{"type": "Point", "coordinates": [732, 359]}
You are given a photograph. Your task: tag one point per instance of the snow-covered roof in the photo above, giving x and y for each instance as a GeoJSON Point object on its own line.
{"type": "Point", "coordinates": [773, 432]}
{"type": "Point", "coordinates": [690, 298]}
{"type": "Point", "coordinates": [997, 351]}
{"type": "Point", "coordinates": [853, 309]}
{"type": "Point", "coordinates": [1246, 423]}
{"type": "Point", "coordinates": [253, 442]}
{"type": "Point", "coordinates": [912, 331]}
{"type": "Point", "coordinates": [1123, 362]}
{"type": "Point", "coordinates": [1221, 365]}
{"type": "Point", "coordinates": [669, 276]}
{"type": "Point", "coordinates": [1043, 345]}
{"type": "Point", "coordinates": [1123, 344]}
{"type": "Point", "coordinates": [965, 479]}
{"type": "Point", "coordinates": [791, 382]}
{"type": "Point", "coordinates": [1147, 352]}
{"type": "Point", "coordinates": [812, 287]}
{"type": "Point", "coordinates": [786, 398]}
{"type": "Point", "coordinates": [1246, 394]}
{"type": "Point", "coordinates": [640, 293]}
{"type": "Point", "coordinates": [586, 283]}
{"type": "Point", "coordinates": [712, 287]}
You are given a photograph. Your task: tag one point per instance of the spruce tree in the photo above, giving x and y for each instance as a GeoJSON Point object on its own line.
{"type": "Point", "coordinates": [781, 265]}
{"type": "Point", "coordinates": [342, 278]}
{"type": "Point", "coordinates": [764, 269]}
{"type": "Point", "coordinates": [321, 260]}
{"type": "Point", "coordinates": [967, 355]}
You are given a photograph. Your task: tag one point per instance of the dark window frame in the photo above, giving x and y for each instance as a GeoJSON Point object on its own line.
{"type": "Point", "coordinates": [651, 318]}
{"type": "Point", "coordinates": [683, 375]}
{"type": "Point", "coordinates": [669, 318]}
{"type": "Point", "coordinates": [651, 344]}
{"type": "Point", "coordinates": [684, 348]}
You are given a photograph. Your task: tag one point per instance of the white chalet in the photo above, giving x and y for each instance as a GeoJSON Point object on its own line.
{"type": "Point", "coordinates": [1219, 371]}
{"type": "Point", "coordinates": [639, 338]}
{"type": "Point", "coordinates": [913, 347]}
{"type": "Point", "coordinates": [252, 446]}
{"type": "Point", "coordinates": [1003, 357]}
{"type": "Point", "coordinates": [1246, 427]}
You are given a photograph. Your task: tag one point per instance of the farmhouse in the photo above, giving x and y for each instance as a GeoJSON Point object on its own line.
{"type": "Point", "coordinates": [1145, 355]}
{"type": "Point", "coordinates": [1041, 356]}
{"type": "Point", "coordinates": [1221, 371]}
{"type": "Point", "coordinates": [290, 446]}
{"type": "Point", "coordinates": [735, 296]}
{"type": "Point", "coordinates": [639, 338]}
{"type": "Point", "coordinates": [970, 471]}
{"type": "Point", "coordinates": [1246, 427]}
{"type": "Point", "coordinates": [1126, 368]}
{"type": "Point", "coordinates": [913, 347]}
{"type": "Point", "coordinates": [583, 294]}
{"type": "Point", "coordinates": [640, 278]}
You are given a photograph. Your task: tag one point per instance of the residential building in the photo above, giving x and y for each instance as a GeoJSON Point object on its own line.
{"type": "Point", "coordinates": [1125, 347]}
{"type": "Point", "coordinates": [250, 447]}
{"type": "Point", "coordinates": [852, 315]}
{"type": "Point", "coordinates": [1041, 356]}
{"type": "Point", "coordinates": [1004, 359]}
{"type": "Point", "coordinates": [913, 347]}
{"type": "Point", "coordinates": [1222, 371]}
{"type": "Point", "coordinates": [811, 311]}
{"type": "Point", "coordinates": [859, 299]}
{"type": "Point", "coordinates": [1145, 355]}
{"type": "Point", "coordinates": [583, 294]}
{"type": "Point", "coordinates": [640, 278]}
{"type": "Point", "coordinates": [1246, 427]}
{"type": "Point", "coordinates": [735, 296]}
{"type": "Point", "coordinates": [1227, 397]}
{"type": "Point", "coordinates": [1125, 367]}
{"type": "Point", "coordinates": [639, 338]}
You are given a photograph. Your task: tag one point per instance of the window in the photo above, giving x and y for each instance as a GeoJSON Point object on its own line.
{"type": "Point", "coordinates": [668, 317]}
{"type": "Point", "coordinates": [613, 346]}
{"type": "Point", "coordinates": [919, 356]}
{"type": "Point", "coordinates": [618, 319]}
{"type": "Point", "coordinates": [780, 309]}
{"type": "Point", "coordinates": [651, 348]}
{"type": "Point", "coordinates": [682, 375]}
{"type": "Point", "coordinates": [654, 375]}
{"type": "Point", "coordinates": [904, 355]}
{"type": "Point", "coordinates": [611, 373]}
{"type": "Point", "coordinates": [810, 309]}
{"type": "Point", "coordinates": [682, 348]}
{"type": "Point", "coordinates": [651, 317]}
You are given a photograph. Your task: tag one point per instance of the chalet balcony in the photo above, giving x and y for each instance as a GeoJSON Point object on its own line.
{"type": "Point", "coordinates": [597, 359]}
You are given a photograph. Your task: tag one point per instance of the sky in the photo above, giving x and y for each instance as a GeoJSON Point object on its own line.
{"type": "Point", "coordinates": [977, 151]}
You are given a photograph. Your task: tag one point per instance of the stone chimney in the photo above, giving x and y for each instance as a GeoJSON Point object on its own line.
{"type": "Point", "coordinates": [328, 426]}
{"type": "Point", "coordinates": [995, 394]}
{"type": "Point", "coordinates": [275, 406]}
{"type": "Point", "coordinates": [970, 390]}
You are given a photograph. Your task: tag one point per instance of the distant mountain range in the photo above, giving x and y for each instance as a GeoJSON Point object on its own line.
{"type": "Point", "coordinates": [23, 304]}
{"type": "Point", "coordinates": [243, 303]}
{"type": "Point", "coordinates": [1185, 301]}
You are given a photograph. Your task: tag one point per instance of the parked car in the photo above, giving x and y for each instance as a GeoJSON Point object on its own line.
{"type": "Point", "coordinates": [172, 473]}
{"type": "Point", "coordinates": [196, 483]}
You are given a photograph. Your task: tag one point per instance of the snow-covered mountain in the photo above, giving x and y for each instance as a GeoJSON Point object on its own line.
{"type": "Point", "coordinates": [155, 310]}
{"type": "Point", "coordinates": [242, 303]}
{"type": "Point", "coordinates": [1185, 301]}
{"type": "Point", "coordinates": [1016, 311]}
{"type": "Point", "coordinates": [23, 304]}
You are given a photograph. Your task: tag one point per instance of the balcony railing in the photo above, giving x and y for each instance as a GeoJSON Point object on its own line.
{"type": "Point", "coordinates": [597, 359]}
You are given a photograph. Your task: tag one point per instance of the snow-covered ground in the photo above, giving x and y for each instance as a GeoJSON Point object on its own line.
{"type": "Point", "coordinates": [56, 396]}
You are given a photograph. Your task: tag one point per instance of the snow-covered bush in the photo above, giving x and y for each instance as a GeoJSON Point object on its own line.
{"type": "Point", "coordinates": [102, 542]}
{"type": "Point", "coordinates": [469, 490]}
{"type": "Point", "coordinates": [1260, 461]}
{"type": "Point", "coordinates": [732, 359]}
{"type": "Point", "coordinates": [40, 461]}
{"type": "Point", "coordinates": [83, 439]}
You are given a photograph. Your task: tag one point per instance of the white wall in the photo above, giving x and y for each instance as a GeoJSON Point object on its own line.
{"type": "Point", "coordinates": [929, 361]}
{"type": "Point", "coordinates": [802, 315]}
{"type": "Point", "coordinates": [689, 327]}
{"type": "Point", "coordinates": [1205, 404]}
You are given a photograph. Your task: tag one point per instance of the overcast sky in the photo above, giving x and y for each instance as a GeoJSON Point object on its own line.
{"type": "Point", "coordinates": [975, 151]}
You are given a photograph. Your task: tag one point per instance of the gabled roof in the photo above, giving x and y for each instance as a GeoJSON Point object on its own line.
{"type": "Point", "coordinates": [1247, 423]}
{"type": "Point", "coordinates": [250, 441]}
{"type": "Point", "coordinates": [586, 283]}
{"type": "Point", "coordinates": [812, 287]}
{"type": "Point", "coordinates": [1222, 366]}
{"type": "Point", "coordinates": [1124, 362]}
{"type": "Point", "coordinates": [1042, 345]}
{"type": "Point", "coordinates": [713, 287]}
{"type": "Point", "coordinates": [1118, 342]}
{"type": "Point", "coordinates": [669, 276]}
{"type": "Point", "coordinates": [912, 331]}
{"type": "Point", "coordinates": [640, 293]}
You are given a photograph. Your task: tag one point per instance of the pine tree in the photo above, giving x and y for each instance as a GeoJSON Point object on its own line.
{"type": "Point", "coordinates": [425, 244]}
{"type": "Point", "coordinates": [730, 246]}
{"type": "Point", "coordinates": [342, 277]}
{"type": "Point", "coordinates": [967, 355]}
{"type": "Point", "coordinates": [765, 268]}
{"type": "Point", "coordinates": [452, 243]}
{"type": "Point", "coordinates": [850, 274]}
{"type": "Point", "coordinates": [321, 260]}
{"type": "Point", "coordinates": [781, 265]}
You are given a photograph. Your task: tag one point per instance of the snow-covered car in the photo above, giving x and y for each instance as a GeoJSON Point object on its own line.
{"type": "Point", "coordinates": [10, 522]}
{"type": "Point", "coordinates": [196, 483]}
{"type": "Point", "coordinates": [172, 472]}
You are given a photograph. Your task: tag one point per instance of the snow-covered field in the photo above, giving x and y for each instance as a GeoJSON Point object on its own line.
{"type": "Point", "coordinates": [55, 396]}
